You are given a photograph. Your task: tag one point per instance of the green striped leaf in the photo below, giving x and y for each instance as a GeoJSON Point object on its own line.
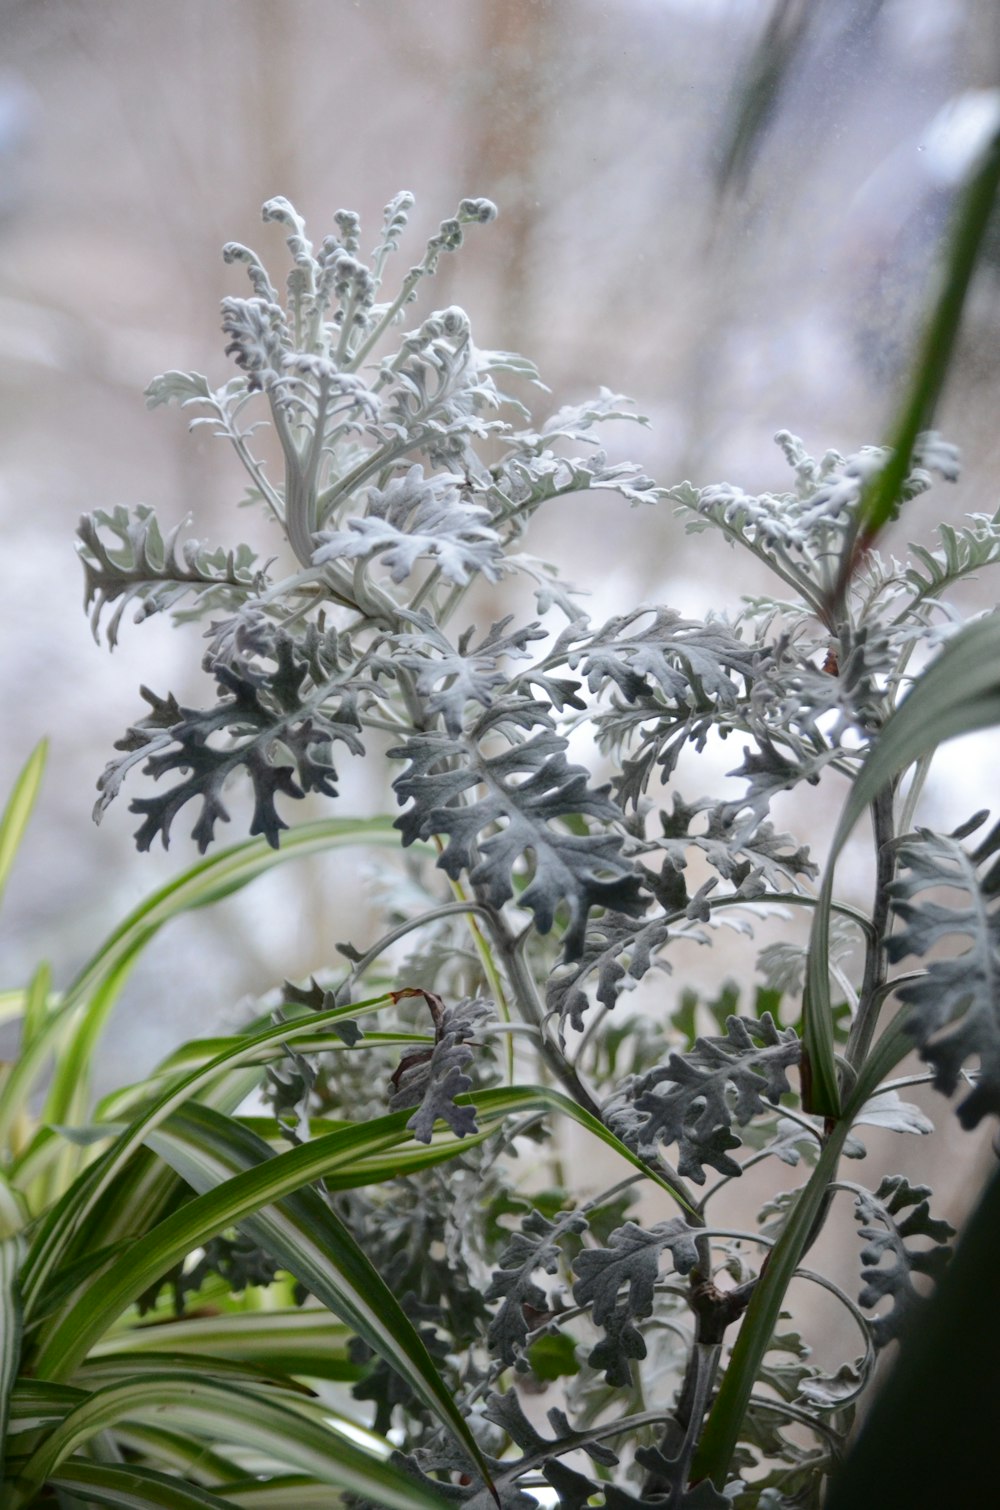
{"type": "Point", "coordinates": [72, 1212]}
{"type": "Point", "coordinates": [219, 876]}
{"type": "Point", "coordinates": [134, 1488]}
{"type": "Point", "coordinates": [291, 1491]}
{"type": "Point", "coordinates": [198, 1144]}
{"type": "Point", "coordinates": [972, 216]}
{"type": "Point", "coordinates": [14, 1216]}
{"type": "Point", "coordinates": [88, 1002]}
{"type": "Point", "coordinates": [959, 693]}
{"type": "Point", "coordinates": [187, 1456]}
{"type": "Point", "coordinates": [116, 1368]}
{"type": "Point", "coordinates": [131, 1100]}
{"type": "Point", "coordinates": [19, 807]}
{"type": "Point", "coordinates": [10, 1329]}
{"type": "Point", "coordinates": [225, 1413]}
{"type": "Point", "coordinates": [11, 1005]}
{"type": "Point", "coordinates": [56, 1231]}
{"type": "Point", "coordinates": [297, 1340]}
{"type": "Point", "coordinates": [295, 1225]}
{"type": "Point", "coordinates": [725, 1420]}
{"type": "Point", "coordinates": [37, 1402]}
{"type": "Point", "coordinates": [34, 1055]}
{"type": "Point", "coordinates": [237, 1176]}
{"type": "Point", "coordinates": [38, 1003]}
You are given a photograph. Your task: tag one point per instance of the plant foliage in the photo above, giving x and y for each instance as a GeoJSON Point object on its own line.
{"type": "Point", "coordinates": [430, 1247]}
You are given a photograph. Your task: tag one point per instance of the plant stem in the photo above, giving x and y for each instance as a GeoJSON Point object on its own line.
{"type": "Point", "coordinates": [446, 909]}
{"type": "Point", "coordinates": [871, 994]}
{"type": "Point", "coordinates": [253, 468]}
{"type": "Point", "coordinates": [696, 1390]}
{"type": "Point", "coordinates": [804, 1221]}
{"type": "Point", "coordinates": [909, 802]}
{"type": "Point", "coordinates": [487, 961]}
{"type": "Point", "coordinates": [726, 1417]}
{"type": "Point", "coordinates": [511, 951]}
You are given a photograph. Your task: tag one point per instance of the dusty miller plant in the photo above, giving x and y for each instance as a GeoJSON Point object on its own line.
{"type": "Point", "coordinates": [537, 892]}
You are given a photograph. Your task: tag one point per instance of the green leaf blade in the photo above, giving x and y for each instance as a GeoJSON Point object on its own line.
{"type": "Point", "coordinates": [19, 807]}
{"type": "Point", "coordinates": [227, 1414]}
{"type": "Point", "coordinates": [958, 694]}
{"type": "Point", "coordinates": [11, 1327]}
{"type": "Point", "coordinates": [935, 357]}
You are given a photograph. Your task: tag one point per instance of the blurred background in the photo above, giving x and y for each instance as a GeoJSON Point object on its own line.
{"type": "Point", "coordinates": [135, 139]}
